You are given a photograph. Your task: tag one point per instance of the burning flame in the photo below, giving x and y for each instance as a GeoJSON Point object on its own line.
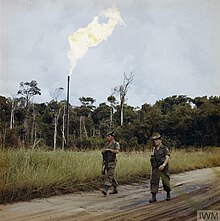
{"type": "Point", "coordinates": [92, 35]}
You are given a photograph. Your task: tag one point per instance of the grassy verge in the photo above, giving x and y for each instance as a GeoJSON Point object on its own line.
{"type": "Point", "coordinates": [26, 174]}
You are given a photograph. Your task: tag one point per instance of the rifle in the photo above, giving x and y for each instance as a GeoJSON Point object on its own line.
{"type": "Point", "coordinates": [104, 160]}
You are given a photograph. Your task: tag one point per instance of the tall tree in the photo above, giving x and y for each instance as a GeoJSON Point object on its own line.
{"type": "Point", "coordinates": [122, 90]}
{"type": "Point", "coordinates": [85, 111]}
{"type": "Point", "coordinates": [57, 110]}
{"type": "Point", "coordinates": [28, 90]}
{"type": "Point", "coordinates": [100, 118]}
{"type": "Point", "coordinates": [14, 103]}
{"type": "Point", "coordinates": [112, 100]}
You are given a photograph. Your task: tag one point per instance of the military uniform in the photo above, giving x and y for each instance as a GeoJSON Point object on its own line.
{"type": "Point", "coordinates": [109, 160]}
{"type": "Point", "coordinates": [157, 159]}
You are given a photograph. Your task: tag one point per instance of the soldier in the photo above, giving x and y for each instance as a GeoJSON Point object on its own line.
{"type": "Point", "coordinates": [160, 168]}
{"type": "Point", "coordinates": [109, 163]}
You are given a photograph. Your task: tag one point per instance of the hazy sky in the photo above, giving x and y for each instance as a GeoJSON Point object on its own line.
{"type": "Point", "coordinates": [172, 46]}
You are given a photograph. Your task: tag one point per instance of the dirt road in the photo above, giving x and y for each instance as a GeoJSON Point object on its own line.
{"type": "Point", "coordinates": [193, 190]}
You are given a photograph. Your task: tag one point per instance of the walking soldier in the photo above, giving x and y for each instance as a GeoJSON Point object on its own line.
{"type": "Point", "coordinates": [160, 168]}
{"type": "Point", "coordinates": [109, 163]}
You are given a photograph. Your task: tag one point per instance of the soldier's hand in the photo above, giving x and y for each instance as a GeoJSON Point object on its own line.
{"type": "Point", "coordinates": [161, 167]}
{"type": "Point", "coordinates": [103, 172]}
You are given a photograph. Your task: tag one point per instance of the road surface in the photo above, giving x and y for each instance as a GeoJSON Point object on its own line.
{"type": "Point", "coordinates": [192, 191]}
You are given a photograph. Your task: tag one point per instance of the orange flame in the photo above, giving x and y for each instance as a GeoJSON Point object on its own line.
{"type": "Point", "coordinates": [92, 35]}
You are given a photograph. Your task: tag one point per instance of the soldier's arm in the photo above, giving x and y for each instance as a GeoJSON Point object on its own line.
{"type": "Point", "coordinates": [167, 157]}
{"type": "Point", "coordinates": [114, 150]}
{"type": "Point", "coordinates": [161, 167]}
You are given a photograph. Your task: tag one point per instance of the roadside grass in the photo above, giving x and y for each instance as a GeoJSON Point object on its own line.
{"type": "Point", "coordinates": [27, 174]}
{"type": "Point", "coordinates": [191, 159]}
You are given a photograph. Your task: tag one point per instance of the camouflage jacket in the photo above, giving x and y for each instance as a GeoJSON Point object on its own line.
{"type": "Point", "coordinates": [108, 156]}
{"type": "Point", "coordinates": [158, 156]}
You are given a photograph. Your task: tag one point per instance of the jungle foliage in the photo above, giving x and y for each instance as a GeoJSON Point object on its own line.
{"type": "Point", "coordinates": [183, 122]}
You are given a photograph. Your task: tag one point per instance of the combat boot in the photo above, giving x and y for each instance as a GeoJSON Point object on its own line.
{"type": "Point", "coordinates": [153, 199]}
{"type": "Point", "coordinates": [168, 196]}
{"type": "Point", "coordinates": [115, 190]}
{"type": "Point", "coordinates": [105, 190]}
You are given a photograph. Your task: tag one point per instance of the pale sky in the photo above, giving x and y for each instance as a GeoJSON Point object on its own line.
{"type": "Point", "coordinates": [173, 47]}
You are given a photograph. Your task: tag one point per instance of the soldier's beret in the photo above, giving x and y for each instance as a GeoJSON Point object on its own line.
{"type": "Point", "coordinates": [156, 136]}
{"type": "Point", "coordinates": [110, 134]}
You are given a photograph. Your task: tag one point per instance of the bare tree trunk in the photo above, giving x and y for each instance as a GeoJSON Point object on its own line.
{"type": "Point", "coordinates": [35, 136]}
{"type": "Point", "coordinates": [99, 132]}
{"type": "Point", "coordinates": [55, 95]}
{"type": "Point", "coordinates": [55, 135]}
{"type": "Point", "coordinates": [32, 132]}
{"type": "Point", "coordinates": [12, 120]}
{"type": "Point", "coordinates": [84, 127]}
{"type": "Point", "coordinates": [80, 128]}
{"type": "Point", "coordinates": [56, 118]}
{"type": "Point", "coordinates": [33, 126]}
{"type": "Point", "coordinates": [93, 132]}
{"type": "Point", "coordinates": [122, 114]}
{"type": "Point", "coordinates": [63, 129]}
{"type": "Point", "coordinates": [26, 132]}
{"type": "Point", "coordinates": [111, 117]}
{"type": "Point", "coordinates": [111, 99]}
{"type": "Point", "coordinates": [122, 90]}
{"type": "Point", "coordinates": [14, 103]}
{"type": "Point", "coordinates": [35, 132]}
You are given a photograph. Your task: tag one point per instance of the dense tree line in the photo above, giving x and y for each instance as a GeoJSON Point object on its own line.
{"type": "Point", "coordinates": [183, 121]}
